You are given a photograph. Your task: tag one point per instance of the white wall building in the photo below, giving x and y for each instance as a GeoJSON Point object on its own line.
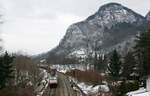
{"type": "Point", "coordinates": [141, 91]}
{"type": "Point", "coordinates": [148, 83]}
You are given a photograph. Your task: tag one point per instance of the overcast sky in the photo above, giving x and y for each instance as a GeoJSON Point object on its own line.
{"type": "Point", "coordinates": [36, 26]}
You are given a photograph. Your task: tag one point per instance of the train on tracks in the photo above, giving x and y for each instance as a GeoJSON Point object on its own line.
{"type": "Point", "coordinates": [53, 81]}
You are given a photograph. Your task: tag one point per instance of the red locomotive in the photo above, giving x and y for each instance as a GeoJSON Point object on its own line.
{"type": "Point", "coordinates": [53, 77]}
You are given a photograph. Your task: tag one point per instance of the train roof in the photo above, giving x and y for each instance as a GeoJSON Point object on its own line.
{"type": "Point", "coordinates": [53, 69]}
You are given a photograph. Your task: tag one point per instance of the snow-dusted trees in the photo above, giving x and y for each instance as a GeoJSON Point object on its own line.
{"type": "Point", "coordinates": [129, 66]}
{"type": "Point", "coordinates": [61, 59]}
{"type": "Point", "coordinates": [114, 67]}
{"type": "Point", "coordinates": [26, 71]}
{"type": "Point", "coordinates": [143, 53]}
{"type": "Point", "coordinates": [100, 62]}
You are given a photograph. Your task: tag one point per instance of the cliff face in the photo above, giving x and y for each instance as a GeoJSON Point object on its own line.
{"type": "Point", "coordinates": [148, 16]}
{"type": "Point", "coordinates": [113, 26]}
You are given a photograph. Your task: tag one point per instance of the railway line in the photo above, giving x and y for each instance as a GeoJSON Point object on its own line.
{"type": "Point", "coordinates": [63, 88]}
{"type": "Point", "coordinates": [50, 92]}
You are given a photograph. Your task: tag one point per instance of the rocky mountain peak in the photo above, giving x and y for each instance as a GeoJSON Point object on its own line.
{"type": "Point", "coordinates": [112, 26]}
{"type": "Point", "coordinates": [148, 16]}
{"type": "Point", "coordinates": [111, 6]}
{"type": "Point", "coordinates": [112, 13]}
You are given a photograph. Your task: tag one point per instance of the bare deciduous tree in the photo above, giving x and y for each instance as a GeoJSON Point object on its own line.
{"type": "Point", "coordinates": [26, 71]}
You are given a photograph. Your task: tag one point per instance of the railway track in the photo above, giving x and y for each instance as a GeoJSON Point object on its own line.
{"type": "Point", "coordinates": [50, 92]}
{"type": "Point", "coordinates": [70, 92]}
{"type": "Point", "coordinates": [66, 88]}
{"type": "Point", "coordinates": [63, 88]}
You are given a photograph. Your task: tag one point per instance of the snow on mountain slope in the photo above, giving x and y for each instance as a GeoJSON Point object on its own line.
{"type": "Point", "coordinates": [148, 16]}
{"type": "Point", "coordinates": [113, 13]}
{"type": "Point", "coordinates": [113, 26]}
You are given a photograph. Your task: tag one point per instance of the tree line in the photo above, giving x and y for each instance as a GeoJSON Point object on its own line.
{"type": "Point", "coordinates": [124, 72]}
{"type": "Point", "coordinates": [132, 67]}
{"type": "Point", "coordinates": [18, 72]}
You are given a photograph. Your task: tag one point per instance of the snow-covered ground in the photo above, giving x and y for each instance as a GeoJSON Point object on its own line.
{"type": "Point", "coordinates": [83, 86]}
{"type": "Point", "coordinates": [65, 68]}
{"type": "Point", "coordinates": [140, 92]}
{"type": "Point", "coordinates": [89, 88]}
{"type": "Point", "coordinates": [43, 84]}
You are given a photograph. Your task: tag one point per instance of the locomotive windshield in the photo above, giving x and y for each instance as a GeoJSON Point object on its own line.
{"type": "Point", "coordinates": [53, 73]}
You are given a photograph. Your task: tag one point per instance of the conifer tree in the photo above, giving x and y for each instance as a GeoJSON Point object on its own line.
{"type": "Point", "coordinates": [95, 61]}
{"type": "Point", "coordinates": [129, 65]}
{"type": "Point", "coordinates": [143, 53]}
{"type": "Point", "coordinates": [5, 69]}
{"type": "Point", "coordinates": [114, 67]}
{"type": "Point", "coordinates": [102, 63]}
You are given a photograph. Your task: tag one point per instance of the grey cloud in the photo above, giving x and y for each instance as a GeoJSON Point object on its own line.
{"type": "Point", "coordinates": [76, 7]}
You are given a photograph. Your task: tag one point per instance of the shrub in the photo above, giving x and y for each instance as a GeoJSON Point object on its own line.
{"type": "Point", "coordinates": [88, 76]}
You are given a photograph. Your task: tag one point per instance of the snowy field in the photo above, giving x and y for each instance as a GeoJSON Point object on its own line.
{"type": "Point", "coordinates": [89, 88]}
{"type": "Point", "coordinates": [66, 68]}
{"type": "Point", "coordinates": [140, 92]}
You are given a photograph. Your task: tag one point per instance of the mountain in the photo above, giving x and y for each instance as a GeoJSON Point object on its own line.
{"type": "Point", "coordinates": [148, 16]}
{"type": "Point", "coordinates": [1, 22]}
{"type": "Point", "coordinates": [113, 26]}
